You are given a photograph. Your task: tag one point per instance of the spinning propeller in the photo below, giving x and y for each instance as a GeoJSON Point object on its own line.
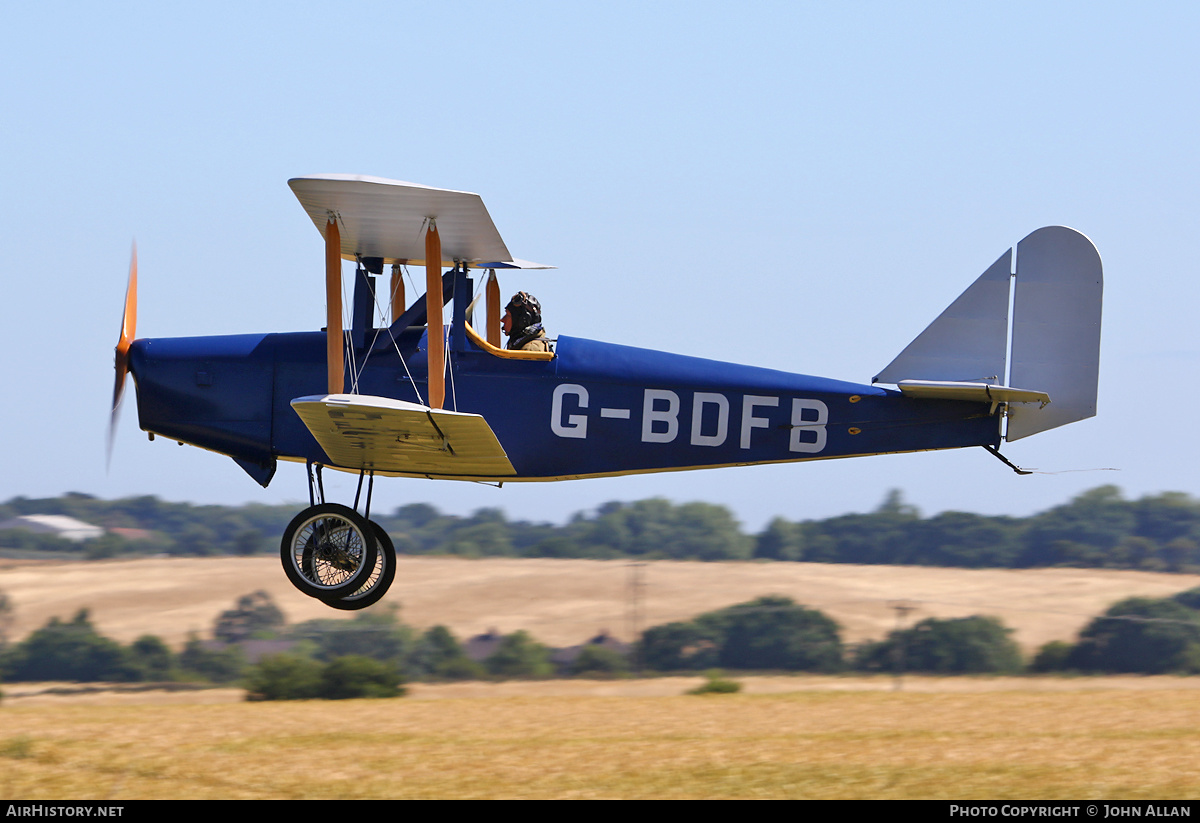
{"type": "Point", "coordinates": [128, 330]}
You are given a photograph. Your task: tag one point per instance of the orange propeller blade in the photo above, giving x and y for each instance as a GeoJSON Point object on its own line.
{"type": "Point", "coordinates": [128, 332]}
{"type": "Point", "coordinates": [129, 319]}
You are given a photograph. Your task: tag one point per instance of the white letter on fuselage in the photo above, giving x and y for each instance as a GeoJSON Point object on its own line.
{"type": "Point", "coordinates": [699, 401]}
{"type": "Point", "coordinates": [650, 416]}
{"type": "Point", "coordinates": [801, 428]}
{"type": "Point", "coordinates": [575, 424]}
{"type": "Point", "coordinates": [749, 421]}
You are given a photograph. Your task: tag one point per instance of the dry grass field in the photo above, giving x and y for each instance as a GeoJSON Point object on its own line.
{"type": "Point", "coordinates": [783, 737]}
{"type": "Point", "coordinates": [563, 602]}
{"type": "Point", "coordinates": [978, 739]}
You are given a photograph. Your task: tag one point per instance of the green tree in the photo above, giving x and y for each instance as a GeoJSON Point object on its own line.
{"type": "Point", "coordinates": [284, 677]}
{"type": "Point", "coordinates": [461, 668]}
{"type": "Point", "coordinates": [197, 540]}
{"type": "Point", "coordinates": [1189, 598]}
{"type": "Point", "coordinates": [767, 633]}
{"type": "Point", "coordinates": [7, 616]}
{"type": "Point", "coordinates": [519, 655]}
{"type": "Point", "coordinates": [560, 546]}
{"type": "Point", "coordinates": [1097, 528]}
{"type": "Point", "coordinates": [1141, 634]}
{"type": "Point", "coordinates": [1099, 518]}
{"type": "Point", "coordinates": [1054, 656]}
{"type": "Point", "coordinates": [221, 665]}
{"type": "Point", "coordinates": [376, 633]}
{"type": "Point", "coordinates": [254, 615]}
{"type": "Point", "coordinates": [963, 539]}
{"type": "Point", "coordinates": [22, 540]}
{"type": "Point", "coordinates": [1167, 516]}
{"type": "Point", "coordinates": [967, 645]}
{"type": "Point", "coordinates": [716, 683]}
{"type": "Point", "coordinates": [248, 542]}
{"type": "Point", "coordinates": [893, 504]}
{"type": "Point", "coordinates": [356, 676]}
{"type": "Point", "coordinates": [103, 547]}
{"type": "Point", "coordinates": [69, 651]}
{"type": "Point", "coordinates": [1181, 554]}
{"type": "Point", "coordinates": [704, 531]}
{"type": "Point", "coordinates": [963, 645]}
{"type": "Point", "coordinates": [861, 538]}
{"type": "Point", "coordinates": [679, 645]}
{"type": "Point", "coordinates": [152, 658]}
{"type": "Point", "coordinates": [780, 540]}
{"type": "Point", "coordinates": [595, 659]}
{"type": "Point", "coordinates": [658, 528]}
{"type": "Point", "coordinates": [438, 653]}
{"type": "Point", "coordinates": [775, 633]}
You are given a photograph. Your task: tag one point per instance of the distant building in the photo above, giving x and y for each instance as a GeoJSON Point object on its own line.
{"type": "Point", "coordinates": [56, 524]}
{"type": "Point", "coordinates": [564, 657]}
{"type": "Point", "coordinates": [482, 646]}
{"type": "Point", "coordinates": [255, 650]}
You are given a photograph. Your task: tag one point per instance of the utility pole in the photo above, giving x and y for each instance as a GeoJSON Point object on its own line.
{"type": "Point", "coordinates": [902, 607]}
{"type": "Point", "coordinates": [634, 614]}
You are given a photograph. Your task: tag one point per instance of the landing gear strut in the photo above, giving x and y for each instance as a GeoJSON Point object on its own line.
{"type": "Point", "coordinates": [336, 555]}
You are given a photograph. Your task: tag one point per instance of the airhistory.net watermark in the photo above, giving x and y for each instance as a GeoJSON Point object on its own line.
{"type": "Point", "coordinates": [52, 810]}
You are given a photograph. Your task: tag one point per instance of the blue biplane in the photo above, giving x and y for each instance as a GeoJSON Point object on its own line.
{"type": "Point", "coordinates": [1017, 353]}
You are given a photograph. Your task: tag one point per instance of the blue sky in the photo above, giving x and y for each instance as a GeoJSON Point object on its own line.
{"type": "Point", "coordinates": [802, 186]}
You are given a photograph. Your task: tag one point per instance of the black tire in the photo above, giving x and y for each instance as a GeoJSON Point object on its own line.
{"type": "Point", "coordinates": [328, 550]}
{"type": "Point", "coordinates": [380, 579]}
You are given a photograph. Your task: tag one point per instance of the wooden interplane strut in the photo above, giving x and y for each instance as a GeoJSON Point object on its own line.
{"type": "Point", "coordinates": [333, 307]}
{"type": "Point", "coordinates": [433, 307]}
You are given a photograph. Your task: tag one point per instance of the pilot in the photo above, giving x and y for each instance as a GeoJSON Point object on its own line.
{"type": "Point", "coordinates": [522, 322]}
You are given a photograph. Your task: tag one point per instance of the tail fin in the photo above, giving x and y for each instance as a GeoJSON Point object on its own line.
{"type": "Point", "coordinates": [1053, 336]}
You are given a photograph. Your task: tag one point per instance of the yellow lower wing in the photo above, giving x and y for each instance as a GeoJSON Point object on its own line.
{"type": "Point", "coordinates": [392, 436]}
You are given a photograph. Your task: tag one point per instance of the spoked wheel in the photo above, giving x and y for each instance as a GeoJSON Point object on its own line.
{"type": "Point", "coordinates": [328, 551]}
{"type": "Point", "coordinates": [379, 581]}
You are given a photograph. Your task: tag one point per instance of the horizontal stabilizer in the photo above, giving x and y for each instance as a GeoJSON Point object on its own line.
{"type": "Point", "coordinates": [394, 437]}
{"type": "Point", "coordinates": [975, 392]}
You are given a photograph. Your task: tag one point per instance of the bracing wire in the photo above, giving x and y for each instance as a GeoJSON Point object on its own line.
{"type": "Point", "coordinates": [347, 341]}
{"type": "Point", "coordinates": [448, 368]}
{"type": "Point", "coordinates": [395, 345]}
{"type": "Point", "coordinates": [356, 368]}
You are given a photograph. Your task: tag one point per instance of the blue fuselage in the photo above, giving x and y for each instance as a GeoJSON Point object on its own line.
{"type": "Point", "coordinates": [596, 409]}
